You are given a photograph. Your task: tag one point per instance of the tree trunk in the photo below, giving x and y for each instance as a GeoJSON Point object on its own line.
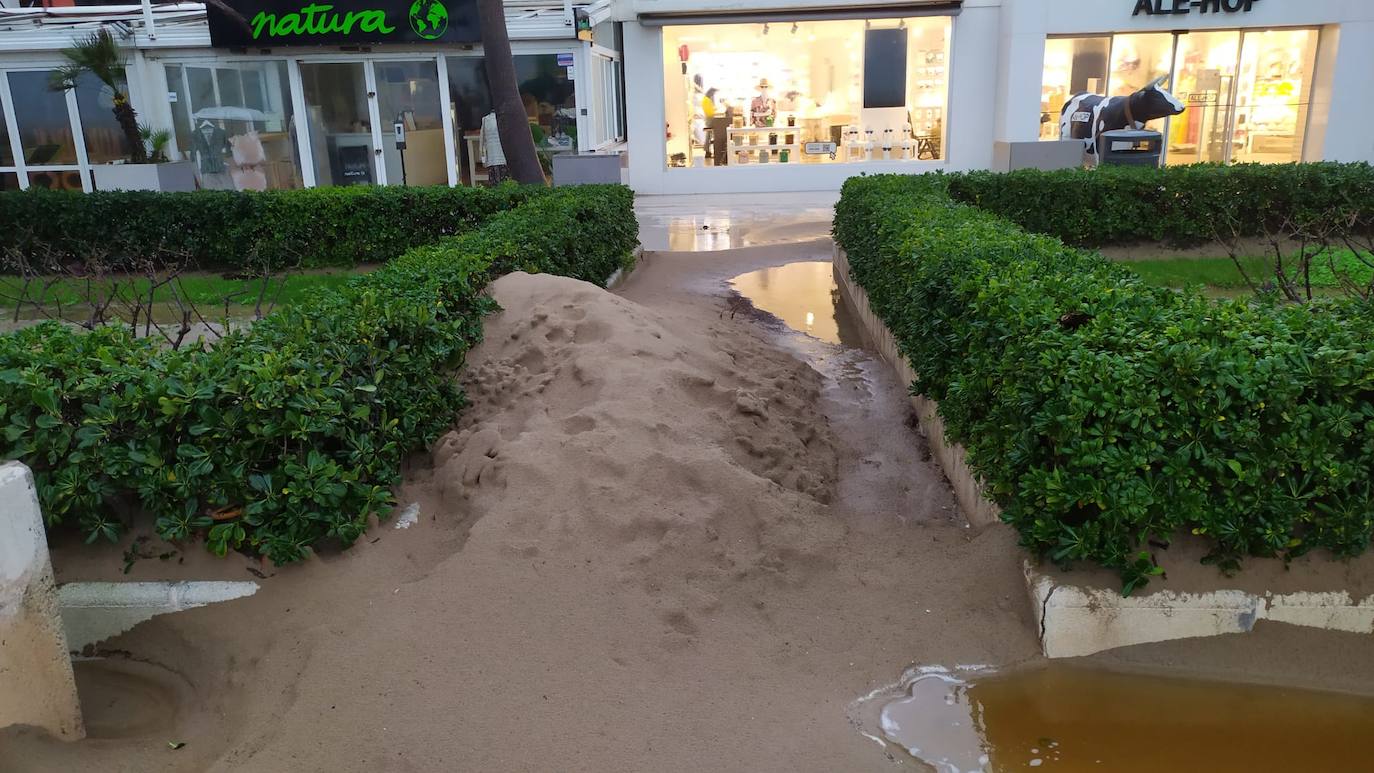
{"type": "Point", "coordinates": [511, 122]}
{"type": "Point", "coordinates": [128, 122]}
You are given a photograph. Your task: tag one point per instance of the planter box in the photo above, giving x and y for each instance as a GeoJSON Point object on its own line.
{"type": "Point", "coordinates": [173, 176]}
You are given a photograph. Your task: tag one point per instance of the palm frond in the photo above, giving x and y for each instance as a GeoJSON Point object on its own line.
{"type": "Point", "coordinates": [99, 54]}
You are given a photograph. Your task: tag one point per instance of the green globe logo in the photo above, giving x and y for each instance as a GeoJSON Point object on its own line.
{"type": "Point", "coordinates": [429, 18]}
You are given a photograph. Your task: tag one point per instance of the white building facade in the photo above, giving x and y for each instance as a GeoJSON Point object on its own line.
{"type": "Point", "coordinates": [698, 96]}
{"type": "Point", "coordinates": [286, 114]}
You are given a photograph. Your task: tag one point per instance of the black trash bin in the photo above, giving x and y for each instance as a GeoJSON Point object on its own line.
{"type": "Point", "coordinates": [1130, 147]}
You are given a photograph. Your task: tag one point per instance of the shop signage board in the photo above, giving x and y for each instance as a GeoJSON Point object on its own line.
{"type": "Point", "coordinates": [265, 23]}
{"type": "Point", "coordinates": [1184, 7]}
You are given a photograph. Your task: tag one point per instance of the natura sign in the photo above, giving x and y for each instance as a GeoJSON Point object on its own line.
{"type": "Point", "coordinates": [269, 23]}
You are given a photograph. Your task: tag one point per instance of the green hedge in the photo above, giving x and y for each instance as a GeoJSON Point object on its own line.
{"type": "Point", "coordinates": [1181, 206]}
{"type": "Point", "coordinates": [292, 431]}
{"type": "Point", "coordinates": [1102, 412]}
{"type": "Point", "coordinates": [230, 229]}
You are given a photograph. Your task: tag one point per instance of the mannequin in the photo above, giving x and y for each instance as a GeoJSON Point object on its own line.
{"type": "Point", "coordinates": [489, 147]}
{"type": "Point", "coordinates": [763, 108]}
{"type": "Point", "coordinates": [210, 145]}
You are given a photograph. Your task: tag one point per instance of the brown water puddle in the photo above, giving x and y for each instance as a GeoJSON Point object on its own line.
{"type": "Point", "coordinates": [1060, 717]}
{"type": "Point", "coordinates": [805, 297]}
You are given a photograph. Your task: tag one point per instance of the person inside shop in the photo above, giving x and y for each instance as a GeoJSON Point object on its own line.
{"type": "Point", "coordinates": [763, 109]}
{"type": "Point", "coordinates": [709, 112]}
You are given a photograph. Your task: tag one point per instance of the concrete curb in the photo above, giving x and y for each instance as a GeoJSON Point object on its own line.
{"type": "Point", "coordinates": [620, 275]}
{"type": "Point", "coordinates": [36, 682]}
{"type": "Point", "coordinates": [1076, 619]}
{"type": "Point", "coordinates": [95, 611]}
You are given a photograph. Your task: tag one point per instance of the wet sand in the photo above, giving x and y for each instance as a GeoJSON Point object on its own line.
{"type": "Point", "coordinates": [667, 535]}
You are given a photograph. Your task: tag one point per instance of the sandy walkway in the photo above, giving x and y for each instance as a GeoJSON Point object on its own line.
{"type": "Point", "coordinates": [658, 540]}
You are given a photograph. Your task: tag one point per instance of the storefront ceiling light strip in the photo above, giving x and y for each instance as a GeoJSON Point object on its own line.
{"type": "Point", "coordinates": [817, 14]}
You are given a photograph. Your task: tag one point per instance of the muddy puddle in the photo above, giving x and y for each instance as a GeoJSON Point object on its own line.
{"type": "Point", "coordinates": [805, 297]}
{"type": "Point", "coordinates": [1059, 717]}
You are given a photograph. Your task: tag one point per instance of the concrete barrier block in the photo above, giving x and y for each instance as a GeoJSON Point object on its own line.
{"type": "Point", "coordinates": [36, 683]}
{"type": "Point", "coordinates": [1076, 620]}
{"type": "Point", "coordinates": [1332, 611]}
{"type": "Point", "coordinates": [95, 611]}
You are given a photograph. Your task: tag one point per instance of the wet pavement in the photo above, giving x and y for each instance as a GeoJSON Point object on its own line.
{"type": "Point", "coordinates": [703, 222]}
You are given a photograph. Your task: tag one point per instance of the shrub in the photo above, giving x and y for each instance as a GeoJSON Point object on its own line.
{"type": "Point", "coordinates": [229, 229]}
{"type": "Point", "coordinates": [292, 431]}
{"type": "Point", "coordinates": [1102, 412]}
{"type": "Point", "coordinates": [1179, 205]}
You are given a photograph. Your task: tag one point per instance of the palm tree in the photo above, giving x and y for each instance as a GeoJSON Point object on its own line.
{"type": "Point", "coordinates": [511, 122]}
{"type": "Point", "coordinates": [99, 55]}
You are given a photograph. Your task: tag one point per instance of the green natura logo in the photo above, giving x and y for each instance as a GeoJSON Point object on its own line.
{"type": "Point", "coordinates": [428, 18]}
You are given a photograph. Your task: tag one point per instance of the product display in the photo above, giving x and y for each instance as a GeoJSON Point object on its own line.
{"type": "Point", "coordinates": [792, 84]}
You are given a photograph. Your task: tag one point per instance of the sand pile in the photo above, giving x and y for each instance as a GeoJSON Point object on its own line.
{"type": "Point", "coordinates": [600, 432]}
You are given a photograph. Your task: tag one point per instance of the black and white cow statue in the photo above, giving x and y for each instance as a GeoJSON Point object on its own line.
{"type": "Point", "coordinates": [1085, 116]}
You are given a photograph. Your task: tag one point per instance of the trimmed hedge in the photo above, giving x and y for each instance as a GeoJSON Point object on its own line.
{"type": "Point", "coordinates": [1177, 205]}
{"type": "Point", "coordinates": [1102, 412]}
{"type": "Point", "coordinates": [230, 229]}
{"type": "Point", "coordinates": [292, 431]}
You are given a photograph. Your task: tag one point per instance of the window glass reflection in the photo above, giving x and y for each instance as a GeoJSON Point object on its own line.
{"type": "Point", "coordinates": [45, 128]}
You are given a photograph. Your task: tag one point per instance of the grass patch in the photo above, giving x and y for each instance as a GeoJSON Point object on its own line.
{"type": "Point", "coordinates": [1221, 274]}
{"type": "Point", "coordinates": [208, 291]}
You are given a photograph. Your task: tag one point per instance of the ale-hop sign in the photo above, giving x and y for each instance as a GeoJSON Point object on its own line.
{"type": "Point", "coordinates": [1183, 7]}
{"type": "Point", "coordinates": [267, 23]}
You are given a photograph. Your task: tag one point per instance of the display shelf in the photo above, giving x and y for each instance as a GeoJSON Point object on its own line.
{"type": "Point", "coordinates": [747, 129]}
{"type": "Point", "coordinates": [780, 146]}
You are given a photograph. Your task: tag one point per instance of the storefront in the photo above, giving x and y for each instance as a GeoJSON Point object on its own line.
{"type": "Point", "coordinates": [269, 112]}
{"type": "Point", "coordinates": [728, 95]}
{"type": "Point", "coordinates": [1247, 92]}
{"type": "Point", "coordinates": [766, 95]}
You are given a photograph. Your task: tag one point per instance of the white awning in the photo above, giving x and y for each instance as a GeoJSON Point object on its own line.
{"type": "Point", "coordinates": [182, 25]}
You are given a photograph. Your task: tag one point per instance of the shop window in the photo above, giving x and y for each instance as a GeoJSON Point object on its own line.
{"type": "Point", "coordinates": [55, 179]}
{"type": "Point", "coordinates": [605, 90]}
{"type": "Point", "coordinates": [9, 181]}
{"type": "Point", "coordinates": [340, 126]}
{"type": "Point", "coordinates": [546, 91]}
{"type": "Point", "coordinates": [44, 124]}
{"type": "Point", "coordinates": [1247, 93]}
{"type": "Point", "coordinates": [1204, 80]}
{"type": "Point", "coordinates": [408, 92]}
{"type": "Point", "coordinates": [237, 124]}
{"type": "Point", "coordinates": [1072, 66]}
{"type": "Point", "coordinates": [1272, 94]}
{"type": "Point", "coordinates": [846, 90]}
{"type": "Point", "coordinates": [1136, 61]}
{"type": "Point", "coordinates": [181, 121]}
{"type": "Point", "coordinates": [104, 138]}
{"type": "Point", "coordinates": [6, 151]}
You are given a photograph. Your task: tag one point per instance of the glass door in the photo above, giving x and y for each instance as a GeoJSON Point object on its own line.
{"type": "Point", "coordinates": [340, 123]}
{"type": "Point", "coordinates": [408, 93]}
{"type": "Point", "coordinates": [1204, 79]}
